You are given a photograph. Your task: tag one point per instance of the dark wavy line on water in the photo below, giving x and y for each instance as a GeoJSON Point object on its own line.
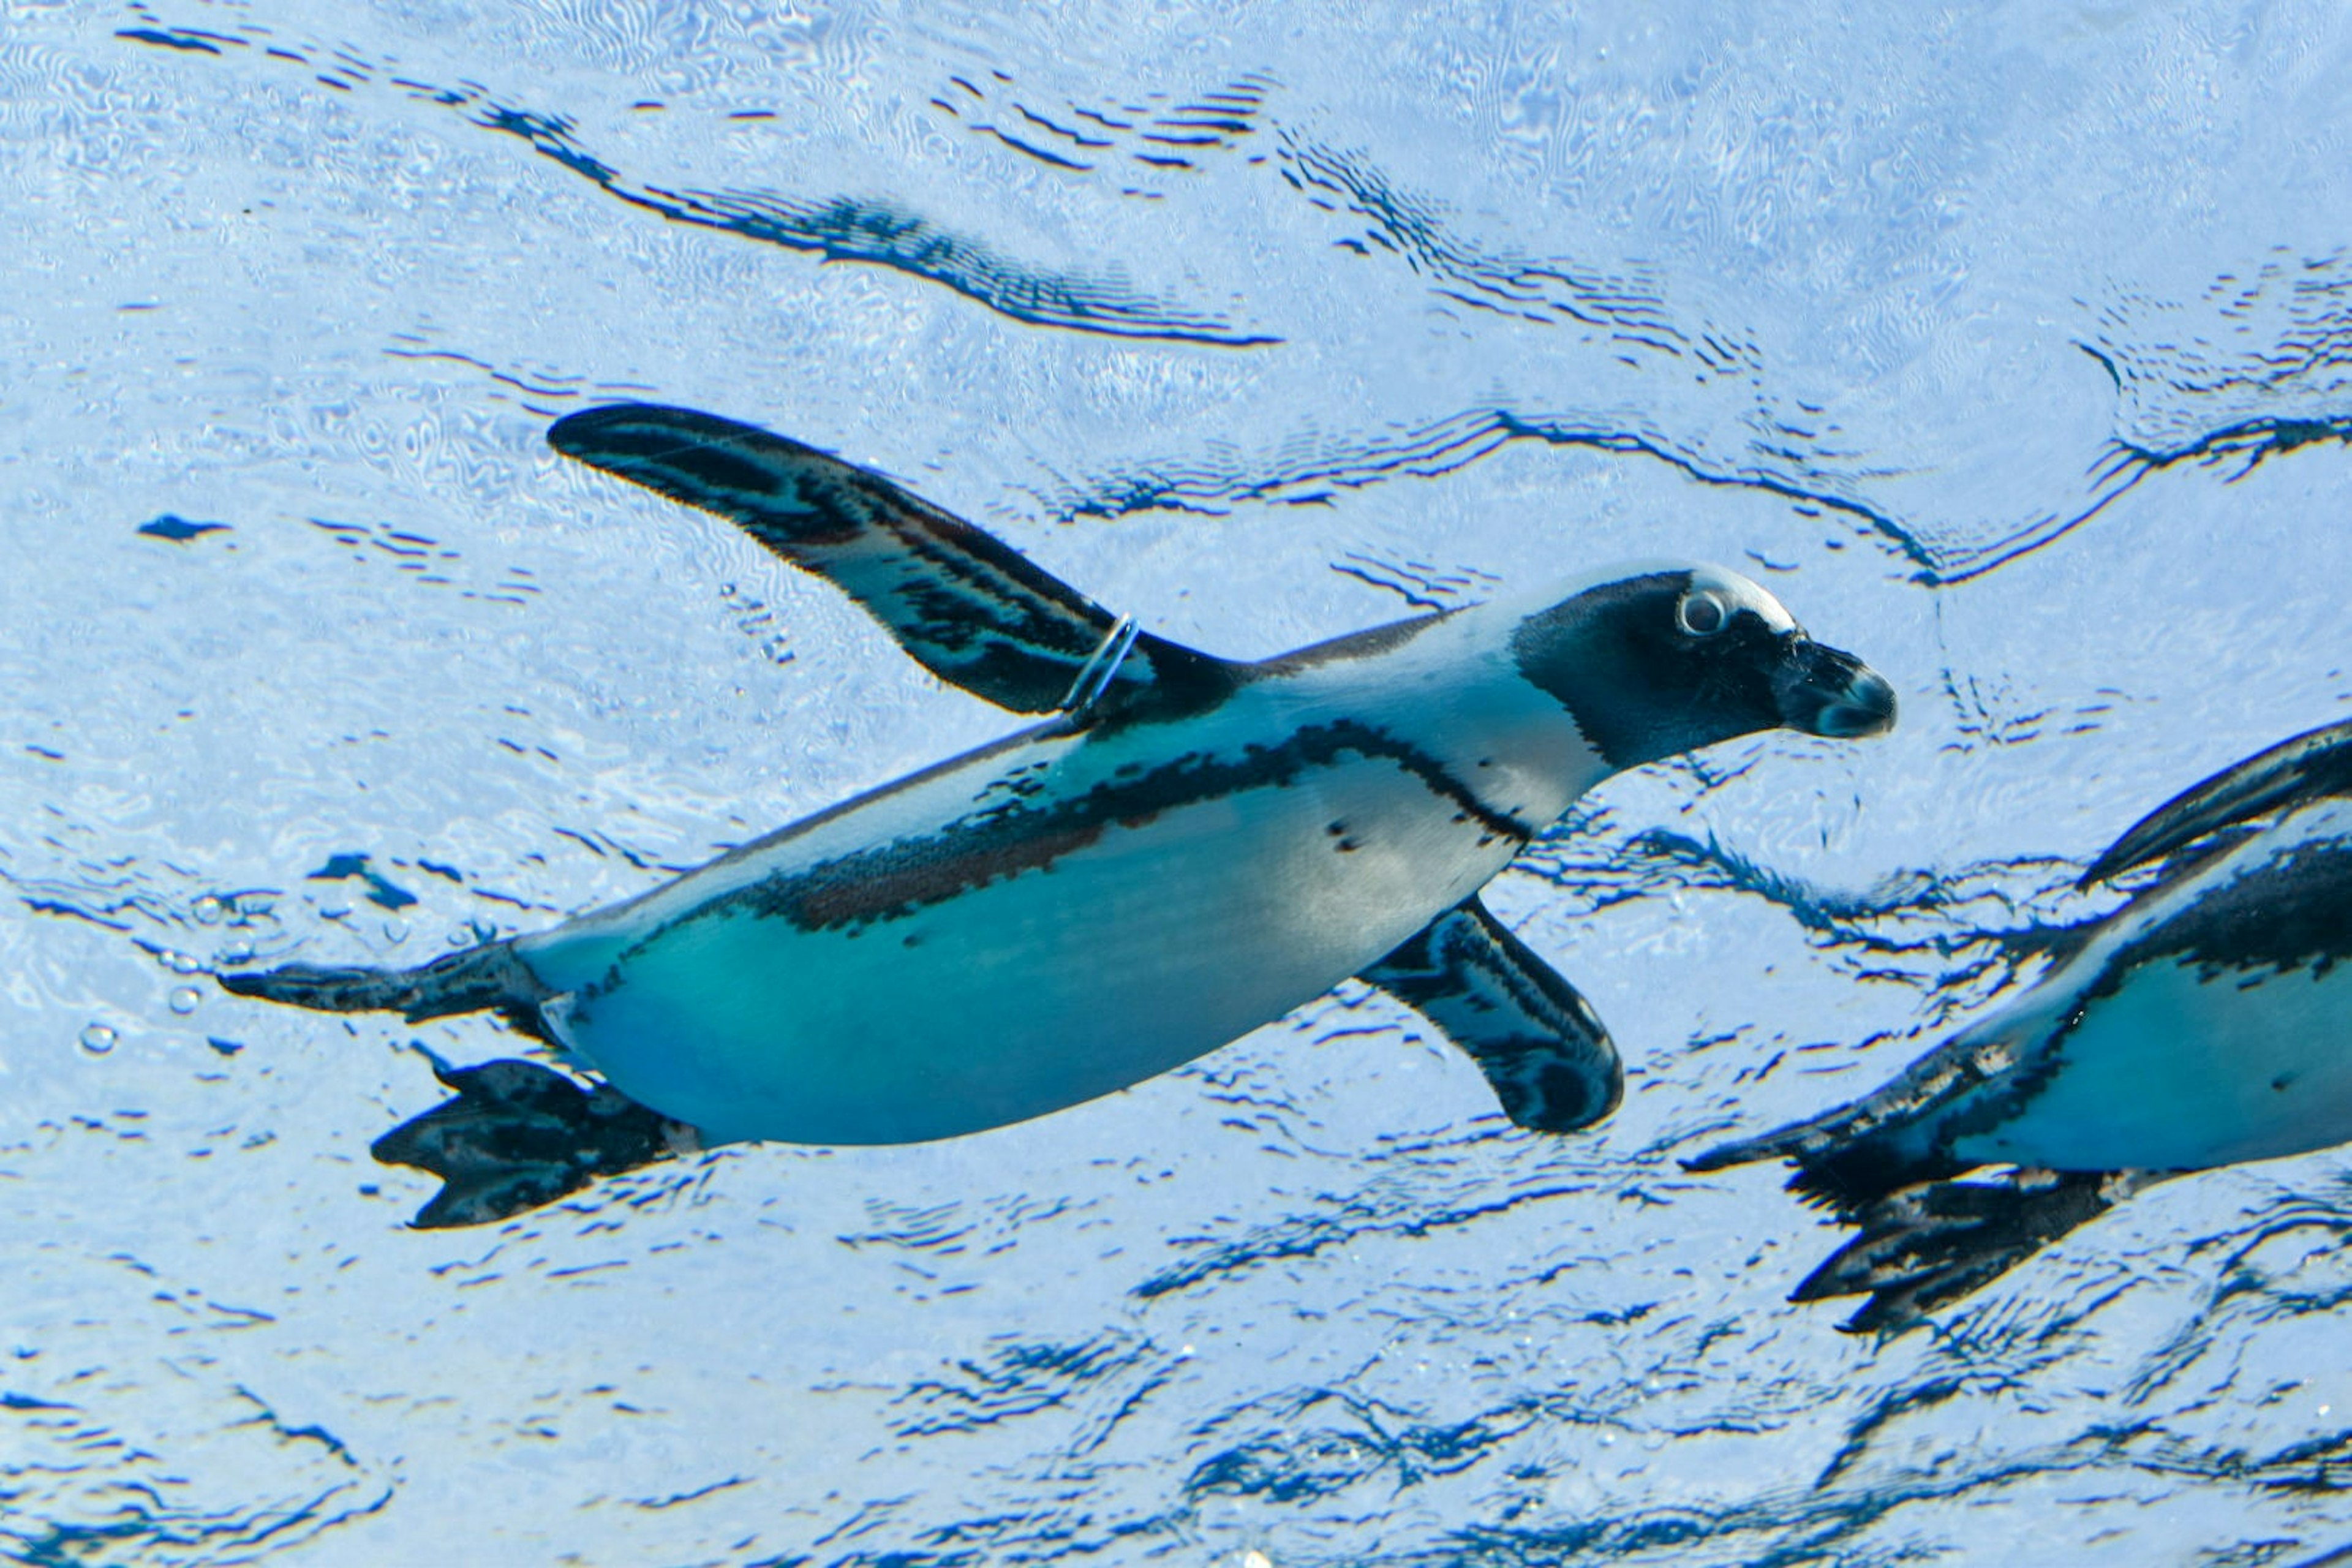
{"type": "Point", "coordinates": [1790, 1527]}
{"type": "Point", "coordinates": [165, 1535]}
{"type": "Point", "coordinates": [136, 1520]}
{"type": "Point", "coordinates": [1548, 291]}
{"type": "Point", "coordinates": [2283, 330]}
{"type": "Point", "coordinates": [2242, 1290]}
{"type": "Point", "coordinates": [850, 228]}
{"type": "Point", "coordinates": [2192, 379]}
{"type": "Point", "coordinates": [1441, 447]}
{"type": "Point", "coordinates": [1203, 125]}
{"type": "Point", "coordinates": [1586, 856]}
{"type": "Point", "coordinates": [2017, 885]}
{"type": "Point", "coordinates": [1411, 228]}
{"type": "Point", "coordinates": [1960, 936]}
{"type": "Point", "coordinates": [2247, 443]}
{"type": "Point", "coordinates": [1420, 584]}
{"type": "Point", "coordinates": [1799, 1522]}
{"type": "Point", "coordinates": [1395, 1210]}
{"type": "Point", "coordinates": [1370, 1438]}
{"type": "Point", "coordinates": [1444, 447]}
{"type": "Point", "coordinates": [1016, 1378]}
{"type": "Point", "coordinates": [2010, 1349]}
{"type": "Point", "coordinates": [1415, 1197]}
{"type": "Point", "coordinates": [835, 228]}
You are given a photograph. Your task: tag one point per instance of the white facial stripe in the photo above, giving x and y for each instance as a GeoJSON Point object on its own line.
{"type": "Point", "coordinates": [1742, 594]}
{"type": "Point", "coordinates": [1739, 592]}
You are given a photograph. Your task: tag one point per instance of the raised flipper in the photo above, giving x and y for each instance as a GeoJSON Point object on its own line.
{"type": "Point", "coordinates": [963, 604]}
{"type": "Point", "coordinates": [1928, 1245]}
{"type": "Point", "coordinates": [2315, 764]}
{"type": "Point", "coordinates": [519, 1135]}
{"type": "Point", "coordinates": [1540, 1044]}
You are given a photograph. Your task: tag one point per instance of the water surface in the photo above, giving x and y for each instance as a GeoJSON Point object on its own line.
{"type": "Point", "coordinates": [2011, 346]}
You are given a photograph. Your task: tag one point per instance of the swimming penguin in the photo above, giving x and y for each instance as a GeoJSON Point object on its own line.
{"type": "Point", "coordinates": [2207, 1022]}
{"type": "Point", "coordinates": [1183, 848]}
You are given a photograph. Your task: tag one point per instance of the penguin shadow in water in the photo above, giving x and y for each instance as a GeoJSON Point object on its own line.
{"type": "Point", "coordinates": [1183, 849]}
{"type": "Point", "coordinates": [2206, 1022]}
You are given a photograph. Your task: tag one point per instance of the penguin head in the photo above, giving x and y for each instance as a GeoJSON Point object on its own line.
{"type": "Point", "coordinates": [1658, 660]}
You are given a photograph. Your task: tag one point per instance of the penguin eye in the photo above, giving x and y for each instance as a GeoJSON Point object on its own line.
{"type": "Point", "coordinates": [1701, 612]}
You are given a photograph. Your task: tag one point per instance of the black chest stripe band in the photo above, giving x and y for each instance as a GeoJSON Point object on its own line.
{"type": "Point", "coordinates": [1014, 835]}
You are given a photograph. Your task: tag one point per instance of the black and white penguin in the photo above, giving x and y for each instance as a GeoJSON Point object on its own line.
{"type": "Point", "coordinates": [1184, 848]}
{"type": "Point", "coordinates": [2207, 1022]}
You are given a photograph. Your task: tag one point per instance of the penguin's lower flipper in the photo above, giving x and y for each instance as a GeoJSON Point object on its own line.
{"type": "Point", "coordinates": [1541, 1047]}
{"type": "Point", "coordinates": [519, 1135]}
{"type": "Point", "coordinates": [2304, 767]}
{"type": "Point", "coordinates": [1928, 1245]}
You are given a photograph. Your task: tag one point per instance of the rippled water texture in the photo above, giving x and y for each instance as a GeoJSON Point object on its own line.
{"type": "Point", "coordinates": [2012, 348]}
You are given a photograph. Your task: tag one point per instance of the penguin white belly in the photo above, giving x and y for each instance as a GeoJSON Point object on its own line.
{"type": "Point", "coordinates": [2171, 1072]}
{"type": "Point", "coordinates": [1139, 944]}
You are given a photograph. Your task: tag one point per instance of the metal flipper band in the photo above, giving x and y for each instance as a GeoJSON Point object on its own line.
{"type": "Point", "coordinates": [1101, 667]}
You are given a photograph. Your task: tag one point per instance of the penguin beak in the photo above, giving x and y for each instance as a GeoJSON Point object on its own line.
{"type": "Point", "coordinates": [1824, 690]}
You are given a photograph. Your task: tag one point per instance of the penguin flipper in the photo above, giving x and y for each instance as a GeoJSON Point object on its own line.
{"type": "Point", "coordinates": [2304, 767]}
{"type": "Point", "coordinates": [964, 604]}
{"type": "Point", "coordinates": [1928, 1246]}
{"type": "Point", "coordinates": [519, 1136]}
{"type": "Point", "coordinates": [1544, 1051]}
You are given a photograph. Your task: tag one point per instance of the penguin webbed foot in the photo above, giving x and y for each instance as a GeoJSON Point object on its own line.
{"type": "Point", "coordinates": [1929, 1245]}
{"type": "Point", "coordinates": [519, 1136]}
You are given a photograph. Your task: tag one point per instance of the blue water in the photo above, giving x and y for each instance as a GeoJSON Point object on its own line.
{"type": "Point", "coordinates": [2011, 346]}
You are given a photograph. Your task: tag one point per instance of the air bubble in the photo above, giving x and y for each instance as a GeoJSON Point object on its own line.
{"type": "Point", "coordinates": [98, 1039]}
{"type": "Point", "coordinates": [236, 951]}
{"type": "Point", "coordinates": [186, 963]}
{"type": "Point", "coordinates": [395, 931]}
{"type": "Point", "coordinates": [185, 999]}
{"type": "Point", "coordinates": [207, 911]}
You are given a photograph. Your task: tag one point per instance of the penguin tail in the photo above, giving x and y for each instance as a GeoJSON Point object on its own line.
{"type": "Point", "coordinates": [1793, 1142]}
{"type": "Point", "coordinates": [1929, 1245]}
{"type": "Point", "coordinates": [487, 977]}
{"type": "Point", "coordinates": [1840, 1165]}
{"type": "Point", "coordinates": [517, 1136]}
